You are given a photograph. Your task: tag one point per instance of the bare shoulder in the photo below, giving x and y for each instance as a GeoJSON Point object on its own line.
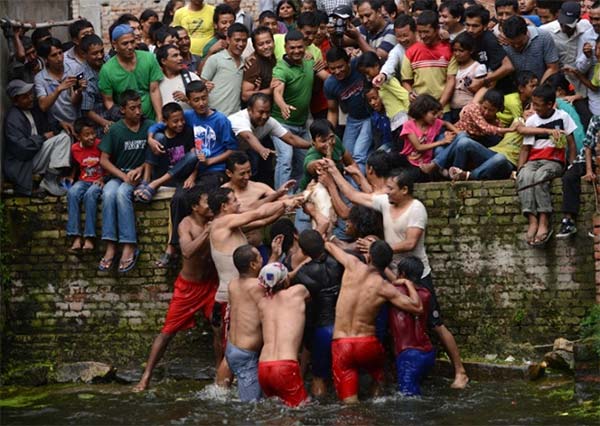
{"type": "Point", "coordinates": [261, 188]}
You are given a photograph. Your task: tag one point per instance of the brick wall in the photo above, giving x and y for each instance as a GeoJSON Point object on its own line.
{"type": "Point", "coordinates": [493, 289]}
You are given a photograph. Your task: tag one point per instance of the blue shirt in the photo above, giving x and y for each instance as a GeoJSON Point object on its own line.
{"type": "Point", "coordinates": [349, 93]}
{"type": "Point", "coordinates": [382, 130]}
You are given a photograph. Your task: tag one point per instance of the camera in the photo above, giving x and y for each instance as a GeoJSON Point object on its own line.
{"type": "Point", "coordinates": [339, 20]}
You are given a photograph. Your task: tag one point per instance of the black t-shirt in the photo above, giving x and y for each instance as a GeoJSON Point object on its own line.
{"type": "Point", "coordinates": [176, 147]}
{"type": "Point", "coordinates": [490, 53]}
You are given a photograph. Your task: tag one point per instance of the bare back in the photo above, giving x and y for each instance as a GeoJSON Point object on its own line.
{"type": "Point", "coordinates": [199, 266]}
{"type": "Point", "coordinates": [244, 327]}
{"type": "Point", "coordinates": [282, 316]}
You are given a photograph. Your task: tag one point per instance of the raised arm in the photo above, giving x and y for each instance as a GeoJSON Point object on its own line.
{"type": "Point", "coordinates": [409, 303]}
{"type": "Point", "coordinates": [346, 259]}
{"type": "Point", "coordinates": [352, 194]}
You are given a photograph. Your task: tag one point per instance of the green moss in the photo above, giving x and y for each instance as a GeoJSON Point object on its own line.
{"type": "Point", "coordinates": [590, 327]}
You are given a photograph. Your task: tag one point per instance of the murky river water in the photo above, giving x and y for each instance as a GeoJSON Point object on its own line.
{"type": "Point", "coordinates": [194, 402]}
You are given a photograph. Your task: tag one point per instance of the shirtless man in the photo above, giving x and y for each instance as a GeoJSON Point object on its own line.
{"type": "Point", "coordinates": [282, 313]}
{"type": "Point", "coordinates": [245, 335]}
{"type": "Point", "coordinates": [226, 235]}
{"type": "Point", "coordinates": [362, 293]}
{"type": "Point", "coordinates": [196, 284]}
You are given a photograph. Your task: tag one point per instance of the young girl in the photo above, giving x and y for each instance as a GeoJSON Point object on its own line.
{"type": "Point", "coordinates": [286, 13]}
{"type": "Point", "coordinates": [468, 69]}
{"type": "Point", "coordinates": [147, 18]}
{"type": "Point", "coordinates": [420, 133]}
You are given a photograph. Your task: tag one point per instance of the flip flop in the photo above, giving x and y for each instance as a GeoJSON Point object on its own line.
{"type": "Point", "coordinates": [543, 241]}
{"type": "Point", "coordinates": [144, 193]}
{"type": "Point", "coordinates": [106, 264]}
{"type": "Point", "coordinates": [165, 260]}
{"type": "Point", "coordinates": [129, 262]}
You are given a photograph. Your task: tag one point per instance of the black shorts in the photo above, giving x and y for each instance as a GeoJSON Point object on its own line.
{"type": "Point", "coordinates": [434, 318]}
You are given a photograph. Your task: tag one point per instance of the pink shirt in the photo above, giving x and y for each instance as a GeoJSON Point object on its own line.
{"type": "Point", "coordinates": [415, 157]}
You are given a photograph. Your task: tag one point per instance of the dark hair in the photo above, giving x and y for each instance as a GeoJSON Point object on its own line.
{"type": "Point", "coordinates": [217, 198]}
{"type": "Point", "coordinates": [169, 12]}
{"type": "Point", "coordinates": [147, 14]}
{"type": "Point", "coordinates": [503, 3]}
{"type": "Point", "coordinates": [178, 28]}
{"type": "Point", "coordinates": [478, 11]}
{"type": "Point", "coordinates": [403, 20]}
{"type": "Point", "coordinates": [381, 254]}
{"type": "Point", "coordinates": [522, 78]}
{"type": "Point", "coordinates": [553, 6]}
{"type": "Point", "coordinates": [258, 31]}
{"type": "Point", "coordinates": [38, 34]}
{"type": "Point", "coordinates": [559, 81]}
{"type": "Point", "coordinates": [46, 46]}
{"type": "Point", "coordinates": [375, 4]}
{"type": "Point", "coordinates": [222, 9]}
{"type": "Point", "coordinates": [126, 18]}
{"type": "Point", "coordinates": [422, 105]}
{"type": "Point", "coordinates": [366, 221]}
{"type": "Point", "coordinates": [430, 18]}
{"type": "Point", "coordinates": [128, 95]}
{"type": "Point", "coordinates": [236, 27]}
{"type": "Point", "coordinates": [322, 17]}
{"type": "Point", "coordinates": [236, 157]}
{"type": "Point", "coordinates": [155, 29]}
{"type": "Point", "coordinates": [193, 195]}
{"type": "Point", "coordinates": [404, 178]}
{"type": "Point", "coordinates": [466, 41]}
{"type": "Point", "coordinates": [454, 8]}
{"type": "Point", "coordinates": [411, 267]}
{"type": "Point", "coordinates": [294, 35]}
{"type": "Point", "coordinates": [162, 52]}
{"type": "Point", "coordinates": [162, 33]}
{"type": "Point", "coordinates": [367, 60]}
{"type": "Point", "coordinates": [321, 128]}
{"type": "Point", "coordinates": [380, 161]}
{"type": "Point", "coordinates": [267, 14]}
{"type": "Point", "coordinates": [170, 108]}
{"type": "Point", "coordinates": [307, 19]}
{"type": "Point", "coordinates": [26, 42]}
{"type": "Point", "coordinates": [89, 41]}
{"type": "Point", "coordinates": [195, 87]}
{"type": "Point", "coordinates": [423, 5]}
{"type": "Point", "coordinates": [390, 7]}
{"type": "Point", "coordinates": [514, 27]}
{"type": "Point", "coordinates": [258, 97]}
{"type": "Point", "coordinates": [285, 227]}
{"type": "Point", "coordinates": [243, 256]}
{"type": "Point", "coordinates": [76, 27]}
{"type": "Point", "coordinates": [336, 53]}
{"type": "Point", "coordinates": [546, 92]}
{"type": "Point", "coordinates": [82, 122]}
{"type": "Point", "coordinates": [281, 3]}
{"type": "Point", "coordinates": [494, 97]}
{"type": "Point", "coordinates": [312, 244]}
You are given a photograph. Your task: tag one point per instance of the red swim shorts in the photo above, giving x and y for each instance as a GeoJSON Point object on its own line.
{"type": "Point", "coordinates": [349, 354]}
{"type": "Point", "coordinates": [188, 298]}
{"type": "Point", "coordinates": [282, 379]}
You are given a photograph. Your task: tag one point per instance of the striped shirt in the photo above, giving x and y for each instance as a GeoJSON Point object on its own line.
{"type": "Point", "coordinates": [384, 39]}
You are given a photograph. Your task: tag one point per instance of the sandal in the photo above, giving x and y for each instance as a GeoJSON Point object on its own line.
{"type": "Point", "coordinates": [106, 264]}
{"type": "Point", "coordinates": [456, 173]}
{"type": "Point", "coordinates": [144, 193]}
{"type": "Point", "coordinates": [129, 264]}
{"type": "Point", "coordinates": [165, 260]}
{"type": "Point", "coordinates": [544, 238]}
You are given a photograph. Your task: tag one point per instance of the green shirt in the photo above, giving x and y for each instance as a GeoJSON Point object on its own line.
{"type": "Point", "coordinates": [279, 49]}
{"type": "Point", "coordinates": [312, 155]}
{"type": "Point", "coordinates": [298, 80]}
{"type": "Point", "coordinates": [114, 80]}
{"type": "Point", "coordinates": [513, 108]}
{"type": "Point", "coordinates": [208, 45]}
{"type": "Point", "coordinates": [127, 149]}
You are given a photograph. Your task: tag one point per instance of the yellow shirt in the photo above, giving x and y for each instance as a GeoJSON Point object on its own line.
{"type": "Point", "coordinates": [198, 24]}
{"type": "Point", "coordinates": [394, 97]}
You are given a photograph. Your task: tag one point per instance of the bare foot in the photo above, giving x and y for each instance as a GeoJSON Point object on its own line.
{"type": "Point", "coordinates": [460, 381]}
{"type": "Point", "coordinates": [531, 232]}
{"type": "Point", "coordinates": [141, 386]}
{"type": "Point", "coordinates": [88, 244]}
{"type": "Point", "coordinates": [428, 168]}
{"type": "Point", "coordinates": [76, 246]}
{"type": "Point", "coordinates": [542, 234]}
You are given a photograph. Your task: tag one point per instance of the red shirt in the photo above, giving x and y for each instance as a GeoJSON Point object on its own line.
{"type": "Point", "coordinates": [88, 159]}
{"type": "Point", "coordinates": [318, 101]}
{"type": "Point", "coordinates": [409, 331]}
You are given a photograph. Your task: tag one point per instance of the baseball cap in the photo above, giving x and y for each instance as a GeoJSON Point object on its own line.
{"type": "Point", "coordinates": [18, 87]}
{"type": "Point", "coordinates": [342, 11]}
{"type": "Point", "coordinates": [569, 13]}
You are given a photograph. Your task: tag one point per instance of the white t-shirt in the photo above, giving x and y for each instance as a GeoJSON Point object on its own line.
{"type": "Point", "coordinates": [395, 229]}
{"type": "Point", "coordinates": [169, 85]}
{"type": "Point", "coordinates": [240, 122]}
{"type": "Point", "coordinates": [462, 95]}
{"type": "Point", "coordinates": [543, 147]}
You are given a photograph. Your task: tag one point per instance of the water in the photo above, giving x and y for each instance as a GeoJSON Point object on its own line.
{"type": "Point", "coordinates": [186, 402]}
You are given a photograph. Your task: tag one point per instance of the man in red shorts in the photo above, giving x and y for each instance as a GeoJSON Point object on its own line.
{"type": "Point", "coordinates": [282, 315]}
{"type": "Point", "coordinates": [363, 292]}
{"type": "Point", "coordinates": [196, 284]}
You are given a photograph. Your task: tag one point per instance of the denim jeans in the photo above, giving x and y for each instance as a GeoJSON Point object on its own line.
{"type": "Point", "coordinates": [118, 216]}
{"type": "Point", "coordinates": [90, 194]}
{"type": "Point", "coordinates": [358, 140]}
{"type": "Point", "coordinates": [179, 171]}
{"type": "Point", "coordinates": [290, 160]}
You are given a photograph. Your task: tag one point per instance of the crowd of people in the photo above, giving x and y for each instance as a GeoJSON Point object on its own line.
{"type": "Point", "coordinates": [330, 110]}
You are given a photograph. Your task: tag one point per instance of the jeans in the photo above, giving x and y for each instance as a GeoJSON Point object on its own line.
{"type": "Point", "coordinates": [537, 199]}
{"type": "Point", "coordinates": [118, 216]}
{"type": "Point", "coordinates": [90, 194]}
{"type": "Point", "coordinates": [572, 188]}
{"type": "Point", "coordinates": [358, 140]}
{"type": "Point", "coordinates": [290, 160]}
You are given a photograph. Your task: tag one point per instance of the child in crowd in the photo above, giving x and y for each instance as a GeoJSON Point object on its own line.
{"type": "Point", "coordinates": [86, 156]}
{"type": "Point", "coordinates": [380, 123]}
{"type": "Point", "coordinates": [463, 47]}
{"type": "Point", "coordinates": [543, 158]}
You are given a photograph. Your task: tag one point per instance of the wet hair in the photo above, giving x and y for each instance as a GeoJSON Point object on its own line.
{"type": "Point", "coordinates": [411, 267]}
{"type": "Point", "coordinates": [403, 20]}
{"type": "Point", "coordinates": [147, 14]}
{"type": "Point", "coordinates": [222, 9]}
{"type": "Point", "coordinates": [559, 81]}
{"type": "Point", "coordinates": [170, 108]}
{"type": "Point", "coordinates": [381, 254]}
{"type": "Point", "coordinates": [430, 18]}
{"type": "Point", "coordinates": [258, 97]}
{"type": "Point", "coordinates": [236, 27]}
{"type": "Point", "coordinates": [523, 78]}
{"type": "Point", "coordinates": [294, 35]}
{"type": "Point", "coordinates": [366, 221]}
{"type": "Point", "coordinates": [514, 27]}
{"type": "Point", "coordinates": [307, 19]}
{"type": "Point", "coordinates": [128, 95]}
{"type": "Point", "coordinates": [478, 11]}
{"type": "Point", "coordinates": [454, 8]}
{"type": "Point", "coordinates": [38, 34]}
{"type": "Point", "coordinates": [195, 193]}
{"type": "Point", "coordinates": [465, 40]}
{"type": "Point", "coordinates": [236, 157]}
{"type": "Point", "coordinates": [243, 256]}
{"type": "Point", "coordinates": [404, 178]}
{"type": "Point", "coordinates": [320, 128]}
{"type": "Point", "coordinates": [546, 92]}
{"type": "Point", "coordinates": [335, 54]}
{"type": "Point", "coordinates": [82, 122]}
{"type": "Point", "coordinates": [311, 243]}
{"type": "Point", "coordinates": [285, 227]}
{"type": "Point", "coordinates": [380, 161]}
{"type": "Point", "coordinates": [367, 60]}
{"type": "Point", "coordinates": [422, 105]}
{"type": "Point", "coordinates": [504, 3]}
{"type": "Point", "coordinates": [76, 27]}
{"type": "Point", "coordinates": [217, 198]}
{"type": "Point", "coordinates": [195, 87]}
{"type": "Point", "coordinates": [89, 41]}
{"type": "Point", "coordinates": [267, 14]}
{"type": "Point", "coordinates": [162, 52]}
{"type": "Point", "coordinates": [46, 46]}
{"type": "Point", "coordinates": [494, 97]}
